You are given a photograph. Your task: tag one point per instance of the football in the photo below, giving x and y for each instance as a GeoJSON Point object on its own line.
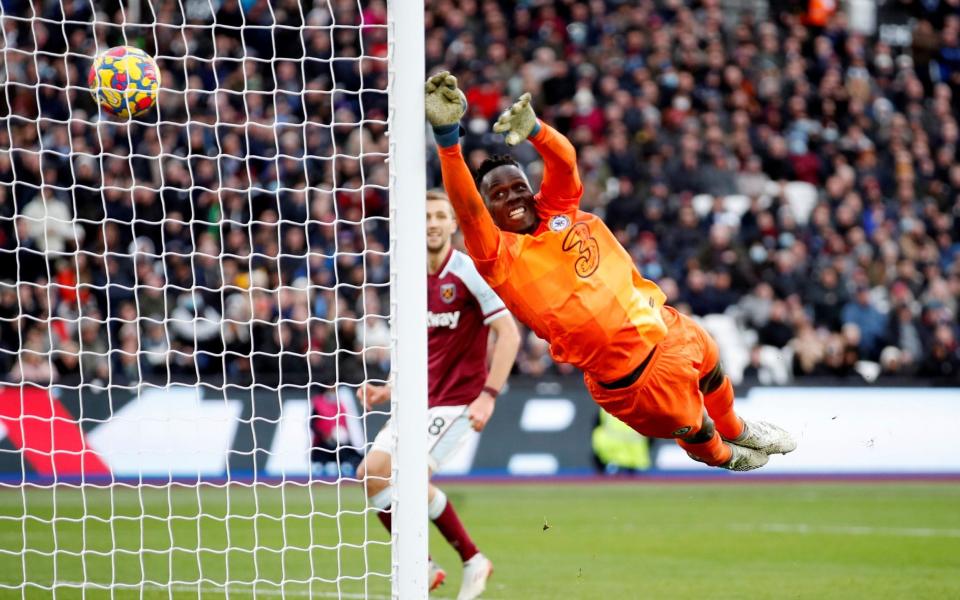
{"type": "Point", "coordinates": [124, 81]}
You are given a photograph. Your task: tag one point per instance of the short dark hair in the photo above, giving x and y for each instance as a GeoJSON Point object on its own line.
{"type": "Point", "coordinates": [491, 163]}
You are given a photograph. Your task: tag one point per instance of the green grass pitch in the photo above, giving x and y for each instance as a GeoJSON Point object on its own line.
{"type": "Point", "coordinates": [623, 540]}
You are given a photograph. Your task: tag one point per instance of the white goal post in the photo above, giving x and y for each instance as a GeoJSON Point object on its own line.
{"type": "Point", "coordinates": [190, 299]}
{"type": "Point", "coordinates": [408, 207]}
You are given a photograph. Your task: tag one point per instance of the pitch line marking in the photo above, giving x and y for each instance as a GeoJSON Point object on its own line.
{"type": "Point", "coordinates": [805, 529]}
{"type": "Point", "coordinates": [224, 591]}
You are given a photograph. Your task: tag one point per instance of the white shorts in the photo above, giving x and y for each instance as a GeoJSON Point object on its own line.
{"type": "Point", "coordinates": [448, 429]}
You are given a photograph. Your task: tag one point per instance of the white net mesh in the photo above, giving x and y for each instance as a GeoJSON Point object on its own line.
{"type": "Point", "coordinates": [189, 299]}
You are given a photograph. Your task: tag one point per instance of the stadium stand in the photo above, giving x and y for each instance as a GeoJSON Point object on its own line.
{"type": "Point", "coordinates": [794, 185]}
{"type": "Point", "coordinates": [191, 237]}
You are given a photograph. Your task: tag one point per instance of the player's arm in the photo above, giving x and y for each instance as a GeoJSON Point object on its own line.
{"type": "Point", "coordinates": [506, 343]}
{"type": "Point", "coordinates": [480, 235]}
{"type": "Point", "coordinates": [561, 188]}
{"type": "Point", "coordinates": [445, 105]}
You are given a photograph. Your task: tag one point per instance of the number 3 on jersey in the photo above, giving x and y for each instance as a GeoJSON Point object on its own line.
{"type": "Point", "coordinates": [580, 241]}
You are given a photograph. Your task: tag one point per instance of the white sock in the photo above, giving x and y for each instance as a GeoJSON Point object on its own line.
{"type": "Point", "coordinates": [436, 506]}
{"type": "Point", "coordinates": [381, 500]}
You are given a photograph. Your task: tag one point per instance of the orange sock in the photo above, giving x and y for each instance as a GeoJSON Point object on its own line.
{"type": "Point", "coordinates": [719, 405]}
{"type": "Point", "coordinates": [713, 452]}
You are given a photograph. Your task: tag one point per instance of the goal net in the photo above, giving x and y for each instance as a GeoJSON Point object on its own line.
{"type": "Point", "coordinates": [190, 299]}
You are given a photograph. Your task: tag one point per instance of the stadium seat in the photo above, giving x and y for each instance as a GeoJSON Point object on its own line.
{"type": "Point", "coordinates": [776, 366]}
{"type": "Point", "coordinates": [734, 352]}
{"type": "Point", "coordinates": [702, 203]}
{"type": "Point", "coordinates": [738, 204]}
{"type": "Point", "coordinates": [867, 369]}
{"type": "Point", "coordinates": [802, 197]}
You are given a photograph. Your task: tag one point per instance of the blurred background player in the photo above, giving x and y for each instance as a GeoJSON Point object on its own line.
{"type": "Point", "coordinates": [462, 311]}
{"type": "Point", "coordinates": [563, 273]}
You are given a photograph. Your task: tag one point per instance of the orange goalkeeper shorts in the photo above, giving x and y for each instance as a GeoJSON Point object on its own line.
{"type": "Point", "coordinates": [665, 401]}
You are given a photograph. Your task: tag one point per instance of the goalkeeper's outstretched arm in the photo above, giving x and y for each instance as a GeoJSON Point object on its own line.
{"type": "Point", "coordinates": [561, 188]}
{"type": "Point", "coordinates": [445, 106]}
{"type": "Point", "coordinates": [561, 179]}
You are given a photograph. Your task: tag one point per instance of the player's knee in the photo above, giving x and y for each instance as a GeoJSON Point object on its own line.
{"type": "Point", "coordinates": [704, 434]}
{"type": "Point", "coordinates": [712, 380]}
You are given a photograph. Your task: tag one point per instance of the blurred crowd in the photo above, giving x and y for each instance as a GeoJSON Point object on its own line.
{"type": "Point", "coordinates": [795, 176]}
{"type": "Point", "coordinates": [790, 173]}
{"type": "Point", "coordinates": [238, 232]}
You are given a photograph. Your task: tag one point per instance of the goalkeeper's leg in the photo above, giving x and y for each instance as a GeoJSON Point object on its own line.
{"type": "Point", "coordinates": [667, 398]}
{"type": "Point", "coordinates": [718, 401]}
{"type": "Point", "coordinates": [721, 434]}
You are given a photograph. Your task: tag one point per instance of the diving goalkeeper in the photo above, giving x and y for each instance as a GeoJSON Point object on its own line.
{"type": "Point", "coordinates": [562, 272]}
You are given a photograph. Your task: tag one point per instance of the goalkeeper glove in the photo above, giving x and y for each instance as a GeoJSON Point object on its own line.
{"type": "Point", "coordinates": [445, 106]}
{"type": "Point", "coordinates": [518, 122]}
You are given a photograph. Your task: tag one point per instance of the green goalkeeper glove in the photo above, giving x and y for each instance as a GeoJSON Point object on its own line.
{"type": "Point", "coordinates": [518, 122]}
{"type": "Point", "coordinates": [445, 106]}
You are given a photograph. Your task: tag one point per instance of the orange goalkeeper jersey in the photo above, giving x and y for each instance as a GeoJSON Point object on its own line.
{"type": "Point", "coordinates": [570, 281]}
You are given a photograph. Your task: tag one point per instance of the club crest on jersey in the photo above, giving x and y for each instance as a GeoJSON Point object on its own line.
{"type": "Point", "coordinates": [448, 292]}
{"type": "Point", "coordinates": [559, 222]}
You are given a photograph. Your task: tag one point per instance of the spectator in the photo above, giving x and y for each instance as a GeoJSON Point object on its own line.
{"type": "Point", "coordinates": [904, 334]}
{"type": "Point", "coordinates": [699, 296]}
{"type": "Point", "coordinates": [32, 365]}
{"type": "Point", "coordinates": [809, 351]}
{"type": "Point", "coordinates": [871, 323]}
{"type": "Point", "coordinates": [838, 360]}
{"type": "Point", "coordinates": [827, 296]}
{"type": "Point", "coordinates": [754, 368]}
{"type": "Point", "coordinates": [757, 305]}
{"type": "Point", "coordinates": [536, 361]}
{"type": "Point", "coordinates": [777, 331]}
{"type": "Point", "coordinates": [943, 359]}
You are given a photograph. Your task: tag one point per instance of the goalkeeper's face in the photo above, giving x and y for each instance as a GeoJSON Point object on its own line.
{"type": "Point", "coordinates": [440, 224]}
{"type": "Point", "coordinates": [509, 199]}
